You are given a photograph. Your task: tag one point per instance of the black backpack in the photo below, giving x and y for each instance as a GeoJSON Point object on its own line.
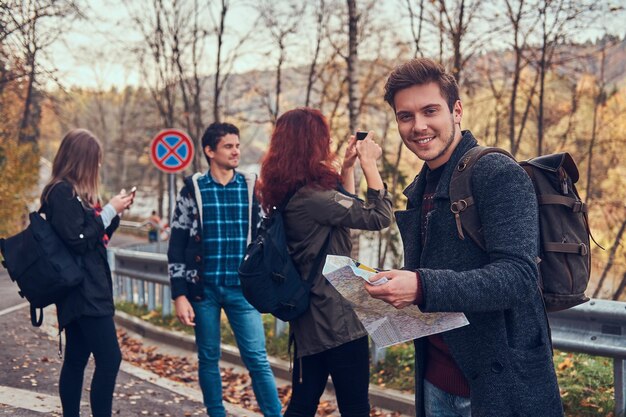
{"type": "Point", "coordinates": [565, 256]}
{"type": "Point", "coordinates": [42, 266]}
{"type": "Point", "coordinates": [269, 279]}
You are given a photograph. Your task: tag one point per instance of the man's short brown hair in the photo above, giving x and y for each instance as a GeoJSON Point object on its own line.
{"type": "Point", "coordinates": [420, 71]}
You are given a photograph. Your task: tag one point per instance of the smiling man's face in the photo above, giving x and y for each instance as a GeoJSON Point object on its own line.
{"type": "Point", "coordinates": [427, 127]}
{"type": "Point", "coordinates": [227, 154]}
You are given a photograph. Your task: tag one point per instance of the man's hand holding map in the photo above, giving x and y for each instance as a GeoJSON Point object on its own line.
{"type": "Point", "coordinates": [385, 324]}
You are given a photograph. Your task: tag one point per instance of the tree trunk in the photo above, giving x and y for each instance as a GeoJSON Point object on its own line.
{"type": "Point", "coordinates": [25, 135]}
{"type": "Point", "coordinates": [457, 35]}
{"type": "Point", "coordinates": [217, 89]}
{"type": "Point", "coordinates": [318, 46]}
{"type": "Point", "coordinates": [352, 62]}
{"type": "Point", "coordinates": [598, 103]}
{"type": "Point", "coordinates": [441, 31]}
{"type": "Point", "coordinates": [417, 36]}
{"type": "Point", "coordinates": [278, 90]}
{"type": "Point", "coordinates": [542, 83]}
{"type": "Point", "coordinates": [522, 123]}
{"type": "Point", "coordinates": [620, 289]}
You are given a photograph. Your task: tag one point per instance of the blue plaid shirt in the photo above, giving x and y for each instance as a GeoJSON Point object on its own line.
{"type": "Point", "coordinates": [224, 228]}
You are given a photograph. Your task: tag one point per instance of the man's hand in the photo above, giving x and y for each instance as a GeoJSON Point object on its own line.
{"type": "Point", "coordinates": [400, 291]}
{"type": "Point", "coordinates": [184, 311]}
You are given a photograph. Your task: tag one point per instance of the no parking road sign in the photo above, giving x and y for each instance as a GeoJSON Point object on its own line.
{"type": "Point", "coordinates": [171, 150]}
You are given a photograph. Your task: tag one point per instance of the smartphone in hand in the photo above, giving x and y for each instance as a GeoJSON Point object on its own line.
{"type": "Point", "coordinates": [360, 135]}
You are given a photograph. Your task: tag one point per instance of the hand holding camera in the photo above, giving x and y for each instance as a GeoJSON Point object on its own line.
{"type": "Point", "coordinates": [367, 150]}
{"type": "Point", "coordinates": [368, 153]}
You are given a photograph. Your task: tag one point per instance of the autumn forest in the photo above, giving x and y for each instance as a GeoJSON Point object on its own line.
{"type": "Point", "coordinates": [536, 77]}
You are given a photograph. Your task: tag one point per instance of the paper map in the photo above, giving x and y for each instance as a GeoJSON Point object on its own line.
{"type": "Point", "coordinates": [385, 324]}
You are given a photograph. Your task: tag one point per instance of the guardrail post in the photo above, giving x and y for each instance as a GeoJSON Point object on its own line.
{"type": "Point", "coordinates": [151, 296]}
{"type": "Point", "coordinates": [111, 261]}
{"type": "Point", "coordinates": [280, 327]}
{"type": "Point", "coordinates": [166, 296]}
{"type": "Point", "coordinates": [141, 293]}
{"type": "Point", "coordinates": [129, 290]}
{"type": "Point", "coordinates": [378, 354]}
{"type": "Point", "coordinates": [619, 375]}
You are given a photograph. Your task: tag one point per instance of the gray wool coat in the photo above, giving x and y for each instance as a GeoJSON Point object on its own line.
{"type": "Point", "coordinates": [505, 352]}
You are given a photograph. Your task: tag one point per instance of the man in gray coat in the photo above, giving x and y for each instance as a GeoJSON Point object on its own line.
{"type": "Point", "coordinates": [501, 363]}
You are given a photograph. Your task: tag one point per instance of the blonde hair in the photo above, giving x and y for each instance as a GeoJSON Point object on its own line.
{"type": "Point", "coordinates": [78, 162]}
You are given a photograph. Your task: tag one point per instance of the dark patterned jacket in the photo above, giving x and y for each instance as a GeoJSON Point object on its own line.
{"type": "Point", "coordinates": [185, 251]}
{"type": "Point", "coordinates": [505, 351]}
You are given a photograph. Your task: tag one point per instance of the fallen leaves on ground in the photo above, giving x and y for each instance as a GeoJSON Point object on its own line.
{"type": "Point", "coordinates": [172, 367]}
{"type": "Point", "coordinates": [567, 363]}
{"type": "Point", "coordinates": [237, 388]}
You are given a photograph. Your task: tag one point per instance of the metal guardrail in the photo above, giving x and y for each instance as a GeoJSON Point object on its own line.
{"type": "Point", "coordinates": [597, 328]}
{"type": "Point", "coordinates": [140, 276]}
{"type": "Point", "coordinates": [161, 232]}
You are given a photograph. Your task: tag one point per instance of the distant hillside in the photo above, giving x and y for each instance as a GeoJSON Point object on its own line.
{"type": "Point", "coordinates": [247, 96]}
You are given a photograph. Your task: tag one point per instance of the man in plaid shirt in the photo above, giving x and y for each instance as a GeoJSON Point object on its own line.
{"type": "Point", "coordinates": [216, 216]}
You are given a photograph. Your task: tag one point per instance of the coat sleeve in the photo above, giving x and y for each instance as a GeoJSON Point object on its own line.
{"type": "Point", "coordinates": [80, 229]}
{"type": "Point", "coordinates": [115, 223]}
{"type": "Point", "coordinates": [337, 209]}
{"type": "Point", "coordinates": [181, 225]}
{"type": "Point", "coordinates": [507, 206]}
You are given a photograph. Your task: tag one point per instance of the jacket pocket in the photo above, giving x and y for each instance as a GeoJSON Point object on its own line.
{"type": "Point", "coordinates": [531, 364]}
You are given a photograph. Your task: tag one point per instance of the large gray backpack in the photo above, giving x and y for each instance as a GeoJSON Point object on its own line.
{"type": "Point", "coordinates": [565, 256]}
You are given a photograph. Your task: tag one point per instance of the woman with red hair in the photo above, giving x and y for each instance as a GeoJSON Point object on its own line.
{"type": "Point", "coordinates": [320, 207]}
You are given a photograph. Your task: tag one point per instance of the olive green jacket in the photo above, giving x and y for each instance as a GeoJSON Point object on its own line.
{"type": "Point", "coordinates": [309, 217]}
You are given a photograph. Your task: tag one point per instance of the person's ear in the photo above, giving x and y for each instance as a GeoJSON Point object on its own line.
{"type": "Point", "coordinates": [458, 111]}
{"type": "Point", "coordinates": [209, 152]}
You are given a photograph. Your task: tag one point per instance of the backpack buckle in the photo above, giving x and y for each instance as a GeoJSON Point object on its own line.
{"type": "Point", "coordinates": [579, 207]}
{"type": "Point", "coordinates": [458, 206]}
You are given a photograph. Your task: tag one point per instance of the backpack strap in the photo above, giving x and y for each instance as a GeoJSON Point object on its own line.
{"type": "Point", "coordinates": [462, 202]}
{"type": "Point", "coordinates": [33, 316]}
{"type": "Point", "coordinates": [318, 260]}
{"type": "Point", "coordinates": [4, 264]}
{"type": "Point", "coordinates": [322, 253]}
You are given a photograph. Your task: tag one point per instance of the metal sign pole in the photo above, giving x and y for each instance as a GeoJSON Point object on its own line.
{"type": "Point", "coordinates": [172, 198]}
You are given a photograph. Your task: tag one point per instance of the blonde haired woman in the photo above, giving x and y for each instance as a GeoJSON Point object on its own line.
{"type": "Point", "coordinates": [72, 205]}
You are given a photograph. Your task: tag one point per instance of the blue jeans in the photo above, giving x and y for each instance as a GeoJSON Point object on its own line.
{"type": "Point", "coordinates": [439, 403]}
{"type": "Point", "coordinates": [247, 326]}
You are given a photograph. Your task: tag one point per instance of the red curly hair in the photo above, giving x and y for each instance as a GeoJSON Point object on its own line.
{"type": "Point", "coordinates": [299, 154]}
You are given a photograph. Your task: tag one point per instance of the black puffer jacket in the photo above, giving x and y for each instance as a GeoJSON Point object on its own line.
{"type": "Point", "coordinates": [82, 231]}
